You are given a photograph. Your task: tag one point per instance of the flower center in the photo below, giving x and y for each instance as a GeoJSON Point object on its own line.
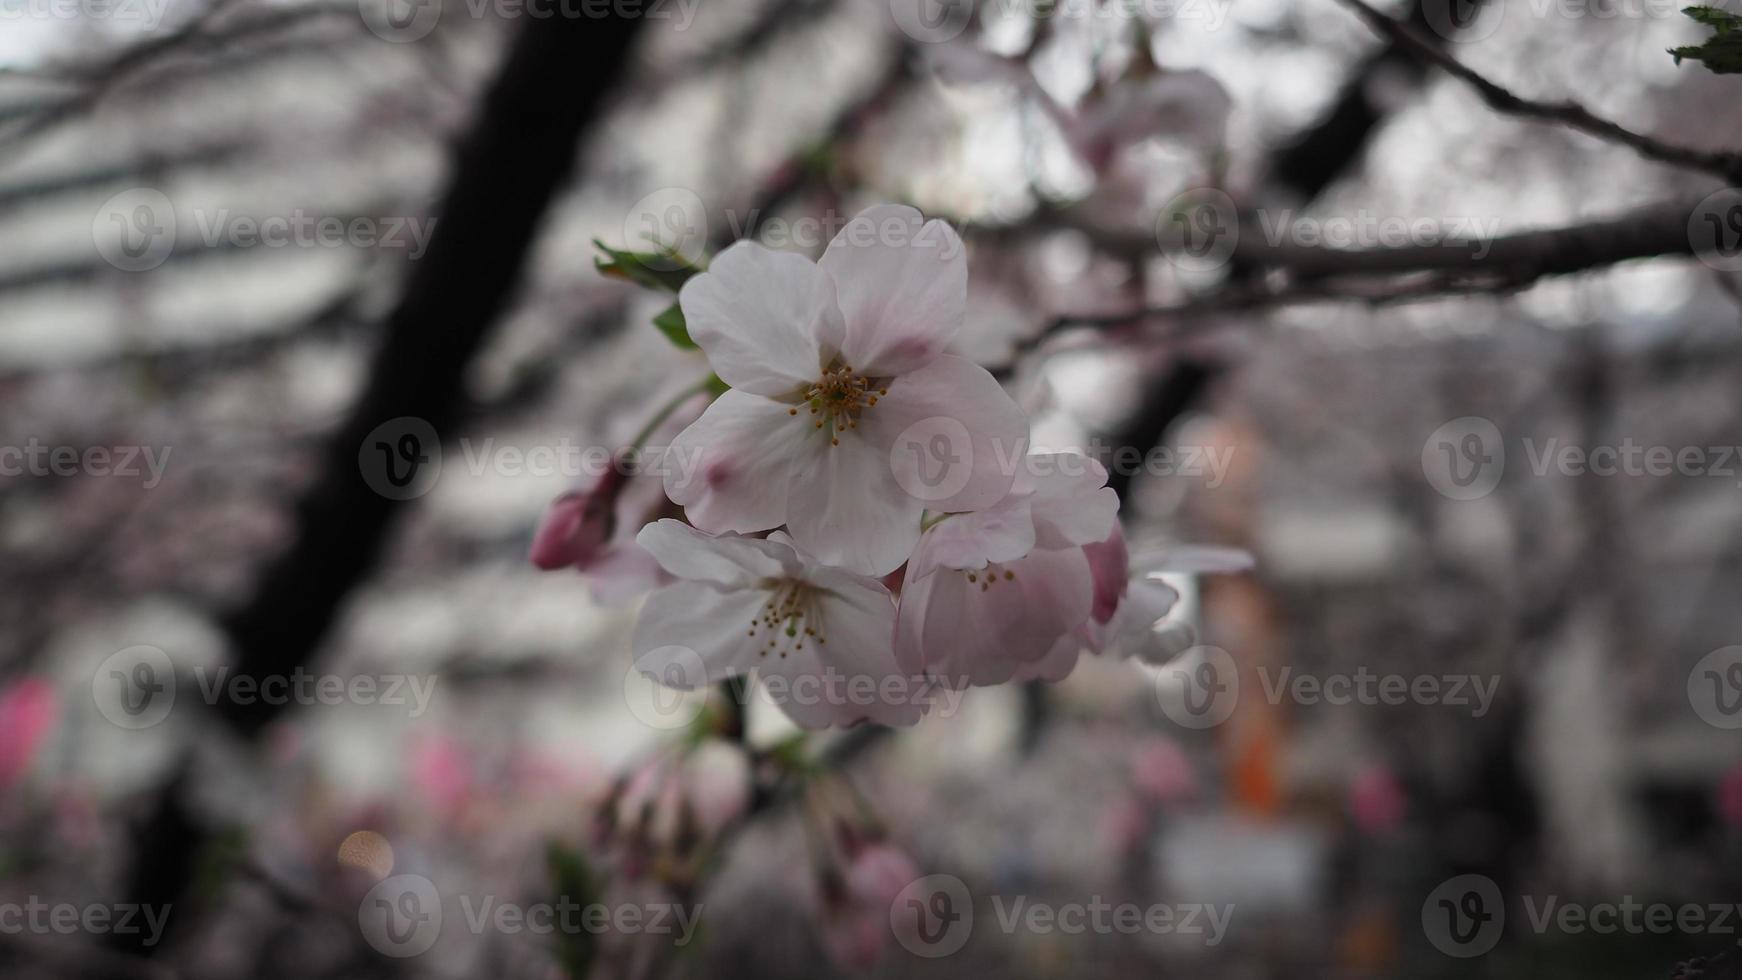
{"type": "Point", "coordinates": [990, 575]}
{"type": "Point", "coordinates": [837, 398]}
{"type": "Point", "coordinates": [792, 615]}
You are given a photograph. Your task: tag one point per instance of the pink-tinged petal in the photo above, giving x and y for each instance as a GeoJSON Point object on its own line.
{"type": "Point", "coordinates": [1070, 498]}
{"type": "Point", "coordinates": [1110, 563]}
{"type": "Point", "coordinates": [691, 634]}
{"type": "Point", "coordinates": [847, 510]}
{"type": "Point", "coordinates": [1132, 632]}
{"type": "Point", "coordinates": [1002, 533]}
{"type": "Point", "coordinates": [982, 630]}
{"type": "Point", "coordinates": [732, 469]}
{"type": "Point", "coordinates": [1056, 665]}
{"type": "Point", "coordinates": [901, 283]}
{"type": "Point", "coordinates": [727, 561]}
{"type": "Point", "coordinates": [763, 318]}
{"type": "Point", "coordinates": [949, 433]}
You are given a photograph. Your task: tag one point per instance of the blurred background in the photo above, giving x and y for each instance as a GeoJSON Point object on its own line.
{"type": "Point", "coordinates": [269, 710]}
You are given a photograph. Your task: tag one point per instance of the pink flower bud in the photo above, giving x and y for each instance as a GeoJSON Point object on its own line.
{"type": "Point", "coordinates": [578, 525]}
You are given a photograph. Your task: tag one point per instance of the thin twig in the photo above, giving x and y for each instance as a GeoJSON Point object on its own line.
{"type": "Point", "coordinates": [1725, 164]}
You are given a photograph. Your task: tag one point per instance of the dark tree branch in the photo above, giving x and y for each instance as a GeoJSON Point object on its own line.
{"type": "Point", "coordinates": [1724, 164]}
{"type": "Point", "coordinates": [506, 173]}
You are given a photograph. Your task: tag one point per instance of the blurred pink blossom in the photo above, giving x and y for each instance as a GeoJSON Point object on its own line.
{"type": "Point", "coordinates": [27, 714]}
{"type": "Point", "coordinates": [1376, 800]}
{"type": "Point", "coordinates": [855, 907]}
{"type": "Point", "coordinates": [1161, 771]}
{"type": "Point", "coordinates": [1730, 796]}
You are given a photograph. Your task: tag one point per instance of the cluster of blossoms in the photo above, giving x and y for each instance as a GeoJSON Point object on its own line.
{"type": "Point", "coordinates": [861, 511]}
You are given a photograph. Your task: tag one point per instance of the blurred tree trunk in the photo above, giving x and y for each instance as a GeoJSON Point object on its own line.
{"type": "Point", "coordinates": [518, 156]}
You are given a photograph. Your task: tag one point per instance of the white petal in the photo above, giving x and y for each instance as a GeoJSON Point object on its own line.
{"type": "Point", "coordinates": [730, 469]}
{"type": "Point", "coordinates": [1131, 631]}
{"type": "Point", "coordinates": [1001, 533]}
{"type": "Point", "coordinates": [763, 317]}
{"type": "Point", "coordinates": [1070, 498]}
{"type": "Point", "coordinates": [953, 438]}
{"type": "Point", "coordinates": [847, 510]}
{"type": "Point", "coordinates": [901, 283]}
{"type": "Point", "coordinates": [691, 633]}
{"type": "Point", "coordinates": [853, 677]}
{"type": "Point", "coordinates": [728, 561]}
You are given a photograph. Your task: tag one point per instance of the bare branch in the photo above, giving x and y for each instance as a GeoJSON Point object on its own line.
{"type": "Point", "coordinates": [1725, 164]}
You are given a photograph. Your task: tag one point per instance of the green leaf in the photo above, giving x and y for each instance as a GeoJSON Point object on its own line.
{"type": "Point", "coordinates": [664, 269]}
{"type": "Point", "coordinates": [573, 878]}
{"type": "Point", "coordinates": [671, 323]}
{"type": "Point", "coordinates": [1721, 53]}
{"type": "Point", "coordinates": [716, 386]}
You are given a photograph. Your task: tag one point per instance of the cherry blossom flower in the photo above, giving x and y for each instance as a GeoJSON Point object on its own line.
{"type": "Point", "coordinates": [989, 593]}
{"type": "Point", "coordinates": [830, 365]}
{"type": "Point", "coordinates": [856, 901]}
{"type": "Point", "coordinates": [749, 604]}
